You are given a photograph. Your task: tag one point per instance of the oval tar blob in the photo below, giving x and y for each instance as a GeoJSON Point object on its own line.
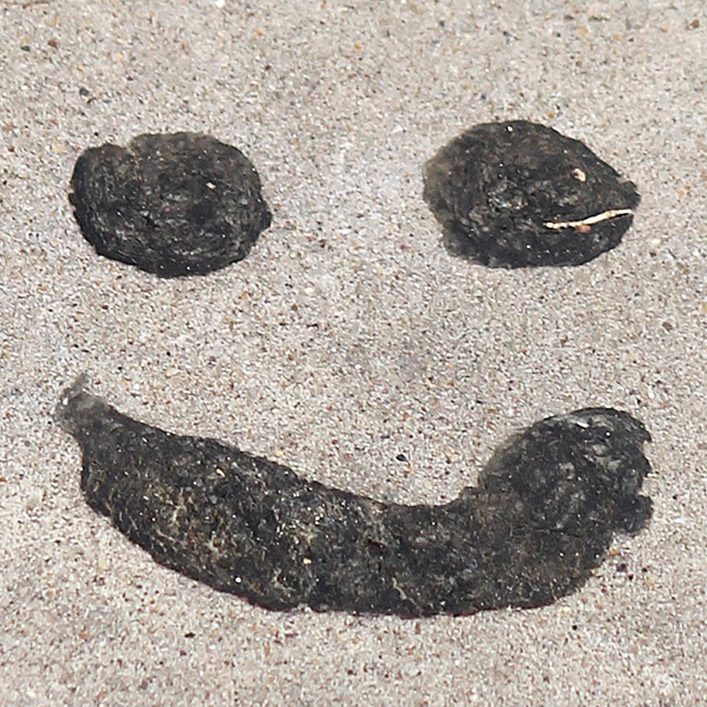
{"type": "Point", "coordinates": [518, 194]}
{"type": "Point", "coordinates": [174, 204]}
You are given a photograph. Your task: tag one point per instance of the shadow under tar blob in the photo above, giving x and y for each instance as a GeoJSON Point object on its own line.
{"type": "Point", "coordinates": [541, 519]}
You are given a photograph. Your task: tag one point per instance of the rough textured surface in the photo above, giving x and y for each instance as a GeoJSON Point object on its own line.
{"type": "Point", "coordinates": [516, 194]}
{"type": "Point", "coordinates": [176, 204]}
{"type": "Point", "coordinates": [349, 343]}
{"type": "Point", "coordinates": [542, 518]}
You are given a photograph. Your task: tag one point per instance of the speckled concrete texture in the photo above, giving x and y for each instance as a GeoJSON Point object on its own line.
{"type": "Point", "coordinates": [349, 336]}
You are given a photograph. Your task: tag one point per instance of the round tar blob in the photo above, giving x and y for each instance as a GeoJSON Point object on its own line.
{"type": "Point", "coordinates": [518, 194]}
{"type": "Point", "coordinates": [174, 204]}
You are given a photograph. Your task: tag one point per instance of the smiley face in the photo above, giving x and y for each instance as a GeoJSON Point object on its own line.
{"type": "Point", "coordinates": [548, 502]}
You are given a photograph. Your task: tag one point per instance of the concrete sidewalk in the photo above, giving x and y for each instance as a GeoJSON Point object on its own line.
{"type": "Point", "coordinates": [349, 336]}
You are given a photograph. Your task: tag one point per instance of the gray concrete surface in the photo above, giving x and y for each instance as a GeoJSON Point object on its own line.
{"type": "Point", "coordinates": [348, 336]}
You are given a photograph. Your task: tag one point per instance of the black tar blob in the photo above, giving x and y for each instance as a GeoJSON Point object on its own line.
{"type": "Point", "coordinates": [541, 519]}
{"type": "Point", "coordinates": [178, 204]}
{"type": "Point", "coordinates": [502, 190]}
